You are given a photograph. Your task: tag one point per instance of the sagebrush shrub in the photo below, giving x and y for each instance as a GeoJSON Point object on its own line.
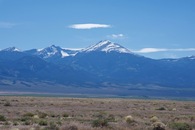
{"type": "Point", "coordinates": [180, 126]}
{"type": "Point", "coordinates": [72, 127]}
{"type": "Point", "coordinates": [65, 115]}
{"type": "Point", "coordinates": [158, 126]}
{"type": "Point", "coordinates": [2, 118]}
{"type": "Point", "coordinates": [7, 104]}
{"type": "Point", "coordinates": [154, 119]}
{"type": "Point", "coordinates": [29, 114]}
{"type": "Point", "coordinates": [100, 123]}
{"type": "Point", "coordinates": [42, 115]}
{"type": "Point", "coordinates": [161, 109]}
{"type": "Point", "coordinates": [43, 123]}
{"type": "Point", "coordinates": [129, 119]}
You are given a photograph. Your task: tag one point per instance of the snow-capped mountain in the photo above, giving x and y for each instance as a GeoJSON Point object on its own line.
{"type": "Point", "coordinates": [106, 46]}
{"type": "Point", "coordinates": [103, 65]}
{"type": "Point", "coordinates": [52, 52]}
{"type": "Point", "coordinates": [11, 53]}
{"type": "Point", "coordinates": [191, 57]}
{"type": "Point", "coordinates": [11, 49]}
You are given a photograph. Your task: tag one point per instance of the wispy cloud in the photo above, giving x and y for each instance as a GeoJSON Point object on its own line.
{"type": "Point", "coordinates": [7, 25]}
{"type": "Point", "coordinates": [89, 26]}
{"type": "Point", "coordinates": [152, 50]}
{"type": "Point", "coordinates": [116, 36]}
{"type": "Point", "coordinates": [183, 49]}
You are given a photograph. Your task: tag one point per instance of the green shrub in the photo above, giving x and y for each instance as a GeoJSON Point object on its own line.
{"type": "Point", "coordinates": [7, 123]}
{"type": "Point", "coordinates": [52, 126]}
{"type": "Point", "coordinates": [53, 115]}
{"type": "Point", "coordinates": [42, 115]}
{"type": "Point", "coordinates": [28, 114]}
{"type": "Point", "coordinates": [161, 109]}
{"type": "Point", "coordinates": [72, 127]}
{"type": "Point", "coordinates": [59, 123]}
{"type": "Point", "coordinates": [23, 119]}
{"type": "Point", "coordinates": [43, 122]}
{"type": "Point", "coordinates": [15, 123]}
{"type": "Point", "coordinates": [27, 122]}
{"type": "Point", "coordinates": [65, 115]}
{"type": "Point", "coordinates": [7, 104]}
{"type": "Point", "coordinates": [100, 115]}
{"type": "Point", "coordinates": [2, 118]}
{"type": "Point", "coordinates": [100, 123]}
{"type": "Point", "coordinates": [180, 126]}
{"type": "Point", "coordinates": [111, 118]}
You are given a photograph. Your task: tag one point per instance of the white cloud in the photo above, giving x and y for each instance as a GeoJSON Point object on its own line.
{"type": "Point", "coordinates": [7, 25]}
{"type": "Point", "coordinates": [89, 26]}
{"type": "Point", "coordinates": [152, 50]}
{"type": "Point", "coordinates": [183, 49]}
{"type": "Point", "coordinates": [117, 35]}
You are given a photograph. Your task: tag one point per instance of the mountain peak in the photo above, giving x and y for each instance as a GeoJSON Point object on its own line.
{"type": "Point", "coordinates": [54, 46]}
{"type": "Point", "coordinates": [107, 46]}
{"type": "Point", "coordinates": [191, 57]}
{"type": "Point", "coordinates": [49, 51]}
{"type": "Point", "coordinates": [12, 49]}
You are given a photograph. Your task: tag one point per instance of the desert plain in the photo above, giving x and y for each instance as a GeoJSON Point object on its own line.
{"type": "Point", "coordinates": [63, 113]}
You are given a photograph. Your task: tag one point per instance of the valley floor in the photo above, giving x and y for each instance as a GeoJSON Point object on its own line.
{"type": "Point", "coordinates": [60, 113]}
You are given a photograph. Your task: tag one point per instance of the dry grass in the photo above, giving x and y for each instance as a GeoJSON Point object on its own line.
{"type": "Point", "coordinates": [49, 113]}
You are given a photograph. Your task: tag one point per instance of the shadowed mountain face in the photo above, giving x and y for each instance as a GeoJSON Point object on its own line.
{"type": "Point", "coordinates": [103, 65]}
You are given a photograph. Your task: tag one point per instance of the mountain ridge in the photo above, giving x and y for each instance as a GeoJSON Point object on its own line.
{"type": "Point", "coordinates": [98, 67]}
{"type": "Point", "coordinates": [73, 51]}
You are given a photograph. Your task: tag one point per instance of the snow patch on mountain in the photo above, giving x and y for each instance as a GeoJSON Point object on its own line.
{"type": "Point", "coordinates": [107, 46]}
{"type": "Point", "coordinates": [188, 57]}
{"type": "Point", "coordinates": [64, 54]}
{"type": "Point", "coordinates": [73, 49]}
{"type": "Point", "coordinates": [12, 49]}
{"type": "Point", "coordinates": [192, 57]}
{"type": "Point", "coordinates": [56, 51]}
{"type": "Point", "coordinates": [38, 50]}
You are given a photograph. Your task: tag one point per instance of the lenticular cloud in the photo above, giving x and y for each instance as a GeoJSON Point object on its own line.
{"type": "Point", "coordinates": [88, 26]}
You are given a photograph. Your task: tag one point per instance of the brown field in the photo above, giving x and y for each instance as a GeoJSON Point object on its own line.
{"type": "Point", "coordinates": [52, 113]}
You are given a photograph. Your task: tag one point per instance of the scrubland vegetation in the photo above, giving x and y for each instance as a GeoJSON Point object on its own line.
{"type": "Point", "coordinates": [51, 113]}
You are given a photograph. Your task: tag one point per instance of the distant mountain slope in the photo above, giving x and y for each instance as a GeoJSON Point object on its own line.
{"type": "Point", "coordinates": [102, 65]}
{"type": "Point", "coordinates": [11, 54]}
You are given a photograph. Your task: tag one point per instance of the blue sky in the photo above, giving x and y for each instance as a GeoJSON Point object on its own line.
{"type": "Point", "coordinates": [153, 28]}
